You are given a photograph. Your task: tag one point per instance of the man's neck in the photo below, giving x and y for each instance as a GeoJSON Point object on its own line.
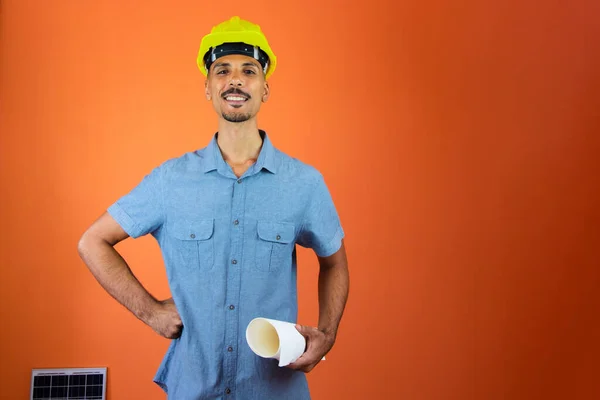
{"type": "Point", "coordinates": [239, 142]}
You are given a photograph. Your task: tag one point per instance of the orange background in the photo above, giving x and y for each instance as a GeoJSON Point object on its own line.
{"type": "Point", "coordinates": [459, 141]}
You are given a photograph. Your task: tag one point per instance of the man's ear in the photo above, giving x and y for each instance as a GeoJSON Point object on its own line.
{"type": "Point", "coordinates": [266, 92]}
{"type": "Point", "coordinates": [206, 90]}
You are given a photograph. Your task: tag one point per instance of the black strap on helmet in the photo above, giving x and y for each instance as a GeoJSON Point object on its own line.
{"type": "Point", "coordinates": [236, 48]}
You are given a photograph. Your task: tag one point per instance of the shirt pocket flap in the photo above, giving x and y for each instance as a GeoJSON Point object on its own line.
{"type": "Point", "coordinates": [193, 230]}
{"type": "Point", "coordinates": [278, 232]}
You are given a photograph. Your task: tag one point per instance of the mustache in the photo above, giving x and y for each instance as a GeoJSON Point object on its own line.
{"type": "Point", "coordinates": [237, 91]}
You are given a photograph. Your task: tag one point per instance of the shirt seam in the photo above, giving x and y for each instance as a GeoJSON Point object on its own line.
{"type": "Point", "coordinates": [122, 217]}
{"type": "Point", "coordinates": [329, 247]}
{"type": "Point", "coordinates": [306, 210]}
{"type": "Point", "coordinates": [161, 197]}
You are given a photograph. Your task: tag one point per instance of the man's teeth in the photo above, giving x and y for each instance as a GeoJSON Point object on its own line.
{"type": "Point", "coordinates": [235, 98]}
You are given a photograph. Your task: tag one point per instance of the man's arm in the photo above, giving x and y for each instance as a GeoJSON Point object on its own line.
{"type": "Point", "coordinates": [96, 249]}
{"type": "Point", "coordinates": [334, 283]}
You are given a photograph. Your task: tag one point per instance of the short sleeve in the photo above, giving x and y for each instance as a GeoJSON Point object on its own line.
{"type": "Point", "coordinates": [321, 228]}
{"type": "Point", "coordinates": [140, 211]}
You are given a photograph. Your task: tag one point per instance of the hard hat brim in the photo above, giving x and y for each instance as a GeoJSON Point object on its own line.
{"type": "Point", "coordinates": [249, 37]}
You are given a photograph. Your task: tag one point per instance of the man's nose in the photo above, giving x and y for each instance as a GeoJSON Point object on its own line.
{"type": "Point", "coordinates": [236, 80]}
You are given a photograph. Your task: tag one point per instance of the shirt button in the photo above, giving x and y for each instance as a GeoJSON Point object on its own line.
{"type": "Point", "coordinates": [278, 237]}
{"type": "Point", "coordinates": [192, 236]}
{"type": "Point", "coordinates": [236, 222]}
{"type": "Point", "coordinates": [227, 390]}
{"type": "Point", "coordinates": [230, 349]}
{"type": "Point", "coordinates": [231, 307]}
{"type": "Point", "coordinates": [239, 181]}
{"type": "Point", "coordinates": [234, 261]}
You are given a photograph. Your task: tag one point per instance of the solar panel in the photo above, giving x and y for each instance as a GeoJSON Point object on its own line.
{"type": "Point", "coordinates": [68, 384]}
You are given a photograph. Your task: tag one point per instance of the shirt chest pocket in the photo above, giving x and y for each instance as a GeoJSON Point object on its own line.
{"type": "Point", "coordinates": [274, 245]}
{"type": "Point", "coordinates": [195, 243]}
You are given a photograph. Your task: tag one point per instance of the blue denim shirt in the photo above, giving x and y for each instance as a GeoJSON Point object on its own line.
{"type": "Point", "coordinates": [228, 246]}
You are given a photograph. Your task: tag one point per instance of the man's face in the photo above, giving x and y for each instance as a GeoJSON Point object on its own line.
{"type": "Point", "coordinates": [236, 86]}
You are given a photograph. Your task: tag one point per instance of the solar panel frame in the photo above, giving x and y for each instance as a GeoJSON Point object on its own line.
{"type": "Point", "coordinates": [68, 384]}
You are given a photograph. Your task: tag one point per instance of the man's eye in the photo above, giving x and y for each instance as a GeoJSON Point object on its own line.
{"type": "Point", "coordinates": [222, 72]}
{"type": "Point", "coordinates": [249, 72]}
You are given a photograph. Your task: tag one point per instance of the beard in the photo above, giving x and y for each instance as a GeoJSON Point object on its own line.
{"type": "Point", "coordinates": [236, 117]}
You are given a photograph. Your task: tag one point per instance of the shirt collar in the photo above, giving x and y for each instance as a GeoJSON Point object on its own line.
{"type": "Point", "coordinates": [267, 157]}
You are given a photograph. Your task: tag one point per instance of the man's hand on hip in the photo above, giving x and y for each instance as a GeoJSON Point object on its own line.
{"type": "Point", "coordinates": [318, 344]}
{"type": "Point", "coordinates": [165, 319]}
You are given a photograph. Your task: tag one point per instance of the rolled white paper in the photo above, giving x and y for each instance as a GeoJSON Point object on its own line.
{"type": "Point", "coordinates": [270, 338]}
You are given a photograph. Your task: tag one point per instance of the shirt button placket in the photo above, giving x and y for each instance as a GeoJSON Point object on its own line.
{"type": "Point", "coordinates": [233, 284]}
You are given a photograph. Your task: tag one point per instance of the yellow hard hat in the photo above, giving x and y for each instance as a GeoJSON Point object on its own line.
{"type": "Point", "coordinates": [236, 36]}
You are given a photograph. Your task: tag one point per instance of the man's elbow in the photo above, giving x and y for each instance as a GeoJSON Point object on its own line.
{"type": "Point", "coordinates": [89, 243]}
{"type": "Point", "coordinates": [83, 244]}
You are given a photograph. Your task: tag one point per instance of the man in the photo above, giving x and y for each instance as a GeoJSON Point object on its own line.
{"type": "Point", "coordinates": [227, 219]}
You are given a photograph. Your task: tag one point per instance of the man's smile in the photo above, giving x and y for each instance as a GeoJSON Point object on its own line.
{"type": "Point", "coordinates": [235, 97]}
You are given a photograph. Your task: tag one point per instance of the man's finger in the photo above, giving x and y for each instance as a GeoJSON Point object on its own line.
{"type": "Point", "coordinates": [297, 366]}
{"type": "Point", "coordinates": [308, 332]}
{"type": "Point", "coordinates": [302, 329]}
{"type": "Point", "coordinates": [306, 359]}
{"type": "Point", "coordinates": [306, 329]}
{"type": "Point", "coordinates": [299, 363]}
{"type": "Point", "coordinates": [302, 366]}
